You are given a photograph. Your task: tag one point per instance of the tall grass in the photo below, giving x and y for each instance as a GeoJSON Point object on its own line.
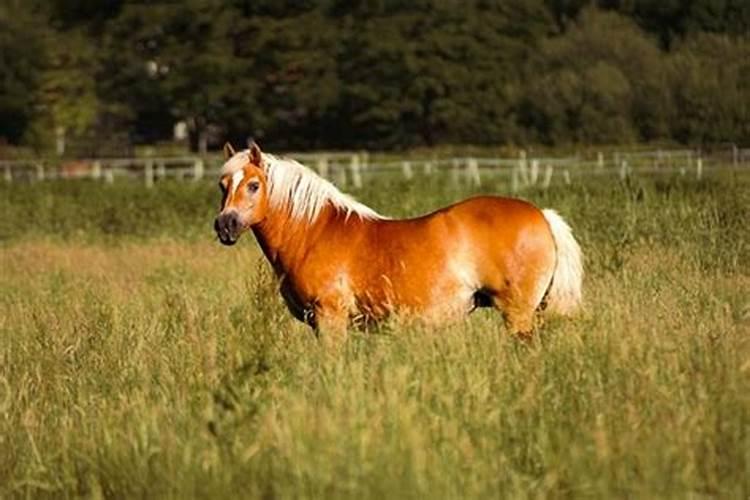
{"type": "Point", "coordinates": [140, 359]}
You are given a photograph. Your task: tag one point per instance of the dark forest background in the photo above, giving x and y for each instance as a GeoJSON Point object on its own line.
{"type": "Point", "coordinates": [375, 73]}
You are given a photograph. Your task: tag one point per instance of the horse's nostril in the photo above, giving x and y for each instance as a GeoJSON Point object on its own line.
{"type": "Point", "coordinates": [228, 226]}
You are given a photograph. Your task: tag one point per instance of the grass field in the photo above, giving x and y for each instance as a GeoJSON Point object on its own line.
{"type": "Point", "coordinates": [139, 358]}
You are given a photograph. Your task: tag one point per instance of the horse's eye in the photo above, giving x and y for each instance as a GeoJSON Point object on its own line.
{"type": "Point", "coordinates": [253, 186]}
{"type": "Point", "coordinates": [222, 187]}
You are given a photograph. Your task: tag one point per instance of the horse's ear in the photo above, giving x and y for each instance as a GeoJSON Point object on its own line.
{"type": "Point", "coordinates": [255, 154]}
{"type": "Point", "coordinates": [228, 151]}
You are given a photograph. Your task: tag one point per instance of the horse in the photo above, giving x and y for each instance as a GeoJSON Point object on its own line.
{"type": "Point", "coordinates": [340, 262]}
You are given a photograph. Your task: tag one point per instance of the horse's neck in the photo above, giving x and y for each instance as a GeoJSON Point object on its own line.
{"type": "Point", "coordinates": [286, 241]}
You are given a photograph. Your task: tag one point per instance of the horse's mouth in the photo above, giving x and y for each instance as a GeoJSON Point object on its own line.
{"type": "Point", "coordinates": [228, 240]}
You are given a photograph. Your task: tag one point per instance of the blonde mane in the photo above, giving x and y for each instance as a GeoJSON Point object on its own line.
{"type": "Point", "coordinates": [294, 186]}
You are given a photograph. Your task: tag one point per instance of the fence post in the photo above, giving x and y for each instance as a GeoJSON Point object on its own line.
{"type": "Point", "coordinates": [534, 171]}
{"type": "Point", "coordinates": [600, 160]}
{"type": "Point", "coordinates": [323, 166]}
{"type": "Point", "coordinates": [699, 168]}
{"type": "Point", "coordinates": [472, 171]}
{"type": "Point", "coordinates": [109, 175]}
{"type": "Point", "coordinates": [428, 167]}
{"type": "Point", "coordinates": [566, 176]}
{"type": "Point", "coordinates": [198, 169]}
{"type": "Point", "coordinates": [456, 172]}
{"type": "Point", "coordinates": [39, 171]}
{"type": "Point", "coordinates": [547, 176]}
{"type": "Point", "coordinates": [149, 173]}
{"type": "Point", "coordinates": [96, 170]}
{"type": "Point", "coordinates": [8, 174]}
{"type": "Point", "coordinates": [340, 175]}
{"type": "Point", "coordinates": [623, 169]}
{"type": "Point", "coordinates": [407, 170]}
{"type": "Point", "coordinates": [356, 176]}
{"type": "Point", "coordinates": [161, 170]}
{"type": "Point", "coordinates": [514, 179]}
{"type": "Point", "coordinates": [522, 167]}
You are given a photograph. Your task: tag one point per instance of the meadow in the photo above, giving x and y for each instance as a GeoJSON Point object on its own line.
{"type": "Point", "coordinates": [139, 358]}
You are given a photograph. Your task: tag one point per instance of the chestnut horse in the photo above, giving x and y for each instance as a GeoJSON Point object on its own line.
{"type": "Point", "coordinates": [339, 261]}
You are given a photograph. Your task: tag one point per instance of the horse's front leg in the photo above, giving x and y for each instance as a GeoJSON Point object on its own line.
{"type": "Point", "coordinates": [331, 322]}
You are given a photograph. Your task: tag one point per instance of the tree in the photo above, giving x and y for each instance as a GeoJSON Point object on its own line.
{"type": "Point", "coordinates": [375, 73]}
{"type": "Point", "coordinates": [451, 76]}
{"type": "Point", "coordinates": [167, 61]}
{"type": "Point", "coordinates": [66, 102]}
{"type": "Point", "coordinates": [602, 81]}
{"type": "Point", "coordinates": [672, 20]}
{"type": "Point", "coordinates": [709, 76]}
{"type": "Point", "coordinates": [22, 55]}
{"type": "Point", "coordinates": [289, 69]}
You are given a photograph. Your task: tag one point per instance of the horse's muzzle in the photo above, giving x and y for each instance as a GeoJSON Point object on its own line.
{"type": "Point", "coordinates": [228, 227]}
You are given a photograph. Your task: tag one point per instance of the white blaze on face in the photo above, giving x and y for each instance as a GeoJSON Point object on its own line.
{"type": "Point", "coordinates": [236, 180]}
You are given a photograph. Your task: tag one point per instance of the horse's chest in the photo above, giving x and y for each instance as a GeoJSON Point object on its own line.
{"type": "Point", "coordinates": [304, 296]}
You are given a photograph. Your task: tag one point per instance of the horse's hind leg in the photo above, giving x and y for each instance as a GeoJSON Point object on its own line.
{"type": "Point", "coordinates": [519, 317]}
{"type": "Point", "coordinates": [519, 302]}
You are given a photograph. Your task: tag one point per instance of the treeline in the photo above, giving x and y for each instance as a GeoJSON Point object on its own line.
{"type": "Point", "coordinates": [375, 73]}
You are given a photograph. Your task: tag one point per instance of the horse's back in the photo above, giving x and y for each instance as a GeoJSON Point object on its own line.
{"type": "Point", "coordinates": [482, 242]}
{"type": "Point", "coordinates": [476, 225]}
{"type": "Point", "coordinates": [499, 223]}
{"type": "Point", "coordinates": [493, 210]}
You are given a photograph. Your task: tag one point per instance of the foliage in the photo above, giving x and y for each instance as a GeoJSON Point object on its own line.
{"type": "Point", "coordinates": [408, 75]}
{"type": "Point", "coordinates": [21, 56]}
{"type": "Point", "coordinates": [169, 62]}
{"type": "Point", "coordinates": [67, 95]}
{"type": "Point", "coordinates": [600, 82]}
{"type": "Point", "coordinates": [710, 75]}
{"type": "Point", "coordinates": [380, 74]}
{"type": "Point", "coordinates": [144, 360]}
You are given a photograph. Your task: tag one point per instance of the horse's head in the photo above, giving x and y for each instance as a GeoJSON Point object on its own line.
{"type": "Point", "coordinates": [244, 194]}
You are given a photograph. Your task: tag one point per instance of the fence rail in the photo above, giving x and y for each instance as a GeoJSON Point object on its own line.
{"type": "Point", "coordinates": [357, 168]}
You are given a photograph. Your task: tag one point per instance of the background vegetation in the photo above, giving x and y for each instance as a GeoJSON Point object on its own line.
{"type": "Point", "coordinates": [139, 358]}
{"type": "Point", "coordinates": [373, 73]}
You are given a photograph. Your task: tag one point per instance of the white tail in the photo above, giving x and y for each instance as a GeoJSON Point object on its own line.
{"type": "Point", "coordinates": [564, 295]}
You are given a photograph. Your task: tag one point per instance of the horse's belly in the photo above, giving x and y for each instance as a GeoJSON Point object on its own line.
{"type": "Point", "coordinates": [450, 300]}
{"type": "Point", "coordinates": [435, 299]}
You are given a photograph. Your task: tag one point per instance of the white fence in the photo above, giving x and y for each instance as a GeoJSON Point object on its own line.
{"type": "Point", "coordinates": [149, 169]}
{"type": "Point", "coordinates": [356, 168]}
